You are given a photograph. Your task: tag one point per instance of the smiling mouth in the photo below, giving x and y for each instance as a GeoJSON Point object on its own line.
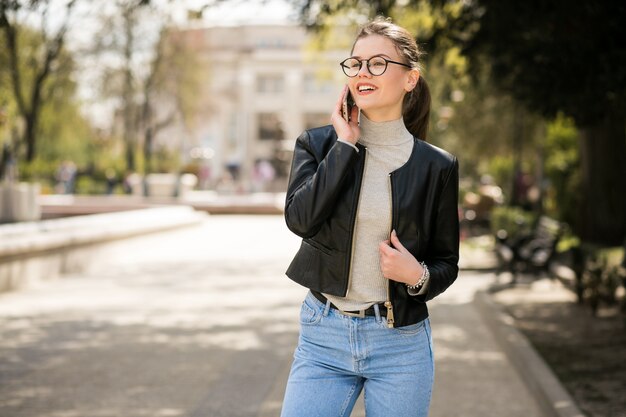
{"type": "Point", "coordinates": [365, 89]}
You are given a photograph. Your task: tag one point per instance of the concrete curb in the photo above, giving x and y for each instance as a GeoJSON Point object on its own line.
{"type": "Point", "coordinates": [35, 251]}
{"type": "Point", "coordinates": [552, 397]}
{"type": "Point", "coordinates": [28, 239]}
{"type": "Point", "coordinates": [55, 206]}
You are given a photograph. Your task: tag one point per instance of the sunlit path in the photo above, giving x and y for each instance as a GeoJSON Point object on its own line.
{"type": "Point", "coordinates": [203, 322]}
{"type": "Point", "coordinates": [196, 322]}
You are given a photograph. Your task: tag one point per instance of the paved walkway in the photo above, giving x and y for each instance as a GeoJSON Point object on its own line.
{"type": "Point", "coordinates": [203, 322]}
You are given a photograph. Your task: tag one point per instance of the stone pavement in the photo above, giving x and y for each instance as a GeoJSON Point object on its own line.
{"type": "Point", "coordinates": [203, 322]}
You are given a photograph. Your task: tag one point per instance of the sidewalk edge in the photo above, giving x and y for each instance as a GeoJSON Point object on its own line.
{"type": "Point", "coordinates": [552, 397]}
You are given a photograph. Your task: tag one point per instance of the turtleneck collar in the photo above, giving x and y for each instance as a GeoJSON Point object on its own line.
{"type": "Point", "coordinates": [388, 133]}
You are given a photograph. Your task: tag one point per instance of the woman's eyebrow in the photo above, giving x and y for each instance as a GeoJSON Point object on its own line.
{"type": "Point", "coordinates": [375, 55]}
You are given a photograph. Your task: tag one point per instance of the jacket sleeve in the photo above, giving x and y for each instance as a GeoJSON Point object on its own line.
{"type": "Point", "coordinates": [314, 184]}
{"type": "Point", "coordinates": [443, 254]}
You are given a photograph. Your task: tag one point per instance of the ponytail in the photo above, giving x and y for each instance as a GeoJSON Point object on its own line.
{"type": "Point", "coordinates": [416, 110]}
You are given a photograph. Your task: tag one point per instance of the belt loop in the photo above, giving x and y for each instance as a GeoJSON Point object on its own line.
{"type": "Point", "coordinates": [327, 309]}
{"type": "Point", "coordinates": [377, 313]}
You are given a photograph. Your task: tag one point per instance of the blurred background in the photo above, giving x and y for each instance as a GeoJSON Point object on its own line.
{"type": "Point", "coordinates": [112, 105]}
{"type": "Point", "coordinates": [189, 101]}
{"type": "Point", "coordinates": [97, 96]}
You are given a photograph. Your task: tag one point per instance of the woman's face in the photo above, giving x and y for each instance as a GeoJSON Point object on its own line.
{"type": "Point", "coordinates": [380, 97]}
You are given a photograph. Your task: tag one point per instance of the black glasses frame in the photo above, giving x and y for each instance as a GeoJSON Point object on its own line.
{"type": "Point", "coordinates": [346, 68]}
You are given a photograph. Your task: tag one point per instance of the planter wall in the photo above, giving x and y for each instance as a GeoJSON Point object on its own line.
{"type": "Point", "coordinates": [19, 202]}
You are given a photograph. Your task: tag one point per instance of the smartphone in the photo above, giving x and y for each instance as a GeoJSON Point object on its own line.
{"type": "Point", "coordinates": [348, 103]}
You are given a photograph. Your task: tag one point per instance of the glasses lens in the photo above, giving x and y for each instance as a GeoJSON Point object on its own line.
{"type": "Point", "coordinates": [377, 65]}
{"type": "Point", "coordinates": [351, 67]}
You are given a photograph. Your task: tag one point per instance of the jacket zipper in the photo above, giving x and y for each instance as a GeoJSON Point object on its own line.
{"type": "Point", "coordinates": [388, 303]}
{"type": "Point", "coordinates": [358, 201]}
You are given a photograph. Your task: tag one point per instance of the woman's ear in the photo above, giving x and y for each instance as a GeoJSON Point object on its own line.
{"type": "Point", "coordinates": [411, 80]}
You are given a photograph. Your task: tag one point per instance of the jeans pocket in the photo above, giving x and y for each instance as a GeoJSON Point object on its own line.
{"type": "Point", "coordinates": [309, 314]}
{"type": "Point", "coordinates": [411, 329]}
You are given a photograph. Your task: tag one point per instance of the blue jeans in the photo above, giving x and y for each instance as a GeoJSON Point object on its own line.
{"type": "Point", "coordinates": [338, 356]}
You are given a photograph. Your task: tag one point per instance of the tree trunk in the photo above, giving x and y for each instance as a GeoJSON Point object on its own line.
{"type": "Point", "coordinates": [30, 135]}
{"type": "Point", "coordinates": [130, 154]}
{"type": "Point", "coordinates": [603, 157]}
{"type": "Point", "coordinates": [147, 150]}
{"type": "Point", "coordinates": [130, 119]}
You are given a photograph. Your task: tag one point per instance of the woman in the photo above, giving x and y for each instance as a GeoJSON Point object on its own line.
{"type": "Point", "coordinates": [376, 207]}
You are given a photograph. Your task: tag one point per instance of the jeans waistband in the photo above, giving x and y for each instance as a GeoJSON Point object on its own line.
{"type": "Point", "coordinates": [371, 311]}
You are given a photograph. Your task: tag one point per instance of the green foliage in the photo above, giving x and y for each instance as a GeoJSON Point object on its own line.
{"type": "Point", "coordinates": [166, 160]}
{"type": "Point", "coordinates": [567, 242]}
{"type": "Point", "coordinates": [525, 61]}
{"type": "Point", "coordinates": [500, 167]}
{"type": "Point", "coordinates": [562, 168]}
{"type": "Point", "coordinates": [486, 129]}
{"type": "Point", "coordinates": [603, 276]}
{"type": "Point", "coordinates": [90, 186]}
{"type": "Point", "coordinates": [7, 112]}
{"type": "Point", "coordinates": [61, 131]}
{"type": "Point", "coordinates": [538, 56]}
{"type": "Point", "coordinates": [65, 134]}
{"type": "Point", "coordinates": [39, 170]}
{"type": "Point", "coordinates": [513, 220]}
{"type": "Point", "coordinates": [8, 108]}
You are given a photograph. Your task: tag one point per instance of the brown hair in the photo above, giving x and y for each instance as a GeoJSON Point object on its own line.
{"type": "Point", "coordinates": [416, 105]}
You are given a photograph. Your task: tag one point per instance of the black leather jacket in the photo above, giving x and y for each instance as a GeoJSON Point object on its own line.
{"type": "Point", "coordinates": [321, 206]}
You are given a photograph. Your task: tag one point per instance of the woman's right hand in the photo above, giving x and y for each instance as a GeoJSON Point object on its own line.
{"type": "Point", "coordinates": [348, 131]}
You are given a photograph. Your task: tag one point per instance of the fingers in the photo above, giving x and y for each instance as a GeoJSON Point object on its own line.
{"type": "Point", "coordinates": [385, 249]}
{"type": "Point", "coordinates": [396, 262]}
{"type": "Point", "coordinates": [385, 252]}
{"type": "Point", "coordinates": [342, 127]}
{"type": "Point", "coordinates": [339, 103]}
{"type": "Point", "coordinates": [396, 242]}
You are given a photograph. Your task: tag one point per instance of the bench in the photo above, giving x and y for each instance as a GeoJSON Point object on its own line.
{"type": "Point", "coordinates": [530, 252]}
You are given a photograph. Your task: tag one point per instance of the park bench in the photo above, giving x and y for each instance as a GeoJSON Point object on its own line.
{"type": "Point", "coordinates": [530, 252]}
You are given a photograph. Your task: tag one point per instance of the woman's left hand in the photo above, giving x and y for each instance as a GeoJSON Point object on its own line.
{"type": "Point", "coordinates": [397, 263]}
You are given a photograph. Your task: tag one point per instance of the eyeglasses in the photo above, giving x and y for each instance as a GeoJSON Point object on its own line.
{"type": "Point", "coordinates": [376, 65]}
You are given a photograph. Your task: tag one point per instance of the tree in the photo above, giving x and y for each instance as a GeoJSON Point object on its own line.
{"type": "Point", "coordinates": [176, 73]}
{"type": "Point", "coordinates": [550, 56]}
{"type": "Point", "coordinates": [120, 44]}
{"type": "Point", "coordinates": [150, 67]}
{"type": "Point", "coordinates": [29, 82]}
{"type": "Point", "coordinates": [553, 58]}
{"type": "Point", "coordinates": [62, 131]}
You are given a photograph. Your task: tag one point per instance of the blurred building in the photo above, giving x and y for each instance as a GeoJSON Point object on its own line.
{"type": "Point", "coordinates": [263, 88]}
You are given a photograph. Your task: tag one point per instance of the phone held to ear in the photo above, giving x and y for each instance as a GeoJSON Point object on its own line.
{"type": "Point", "coordinates": [348, 103]}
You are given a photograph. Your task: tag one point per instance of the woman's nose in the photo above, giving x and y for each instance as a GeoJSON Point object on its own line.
{"type": "Point", "coordinates": [364, 70]}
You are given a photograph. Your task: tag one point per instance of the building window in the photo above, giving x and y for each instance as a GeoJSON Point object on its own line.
{"type": "Point", "coordinates": [318, 85]}
{"type": "Point", "coordinates": [270, 127]}
{"type": "Point", "coordinates": [312, 120]}
{"type": "Point", "coordinates": [270, 83]}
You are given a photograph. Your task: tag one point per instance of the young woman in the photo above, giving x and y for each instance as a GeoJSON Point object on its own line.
{"type": "Point", "coordinates": [376, 207]}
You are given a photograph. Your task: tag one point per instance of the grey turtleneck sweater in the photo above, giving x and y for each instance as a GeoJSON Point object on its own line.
{"type": "Point", "coordinates": [389, 146]}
